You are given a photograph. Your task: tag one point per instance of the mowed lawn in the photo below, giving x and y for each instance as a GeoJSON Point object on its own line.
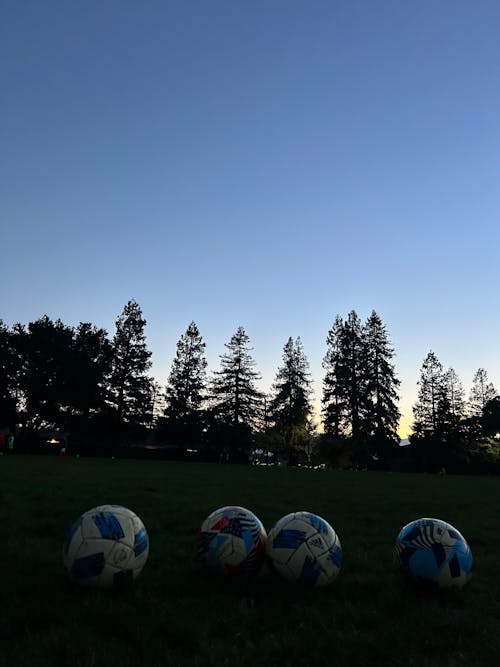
{"type": "Point", "coordinates": [175, 615]}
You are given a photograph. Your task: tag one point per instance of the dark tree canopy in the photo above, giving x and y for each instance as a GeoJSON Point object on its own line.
{"type": "Point", "coordinates": [130, 387]}
{"type": "Point", "coordinates": [235, 398]}
{"type": "Point", "coordinates": [290, 406]}
{"type": "Point", "coordinates": [381, 388]}
{"type": "Point", "coordinates": [481, 393]}
{"type": "Point", "coordinates": [46, 372]}
{"type": "Point", "coordinates": [334, 400]}
{"type": "Point", "coordinates": [186, 388]}
{"type": "Point", "coordinates": [77, 380]}
{"type": "Point", "coordinates": [360, 387]}
{"type": "Point", "coordinates": [9, 377]}
{"type": "Point", "coordinates": [431, 409]}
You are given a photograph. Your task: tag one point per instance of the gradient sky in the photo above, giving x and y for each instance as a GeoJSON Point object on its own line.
{"type": "Point", "coordinates": [268, 164]}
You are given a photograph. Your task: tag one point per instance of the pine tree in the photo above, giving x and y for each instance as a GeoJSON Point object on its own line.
{"type": "Point", "coordinates": [353, 372]}
{"type": "Point", "coordinates": [434, 434]}
{"type": "Point", "coordinates": [455, 397]}
{"type": "Point", "coordinates": [431, 405]}
{"type": "Point", "coordinates": [334, 401]}
{"type": "Point", "coordinates": [344, 387]}
{"type": "Point", "coordinates": [236, 401]}
{"type": "Point", "coordinates": [9, 378]}
{"type": "Point", "coordinates": [381, 386]}
{"type": "Point", "coordinates": [290, 405]}
{"type": "Point", "coordinates": [131, 389]}
{"type": "Point", "coordinates": [186, 387]}
{"type": "Point", "coordinates": [481, 393]}
{"type": "Point", "coordinates": [360, 388]}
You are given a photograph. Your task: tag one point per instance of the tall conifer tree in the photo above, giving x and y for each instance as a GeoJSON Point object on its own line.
{"type": "Point", "coordinates": [9, 377]}
{"type": "Point", "coordinates": [186, 387]}
{"type": "Point", "coordinates": [455, 397]}
{"type": "Point", "coordinates": [344, 387]}
{"type": "Point", "coordinates": [334, 399]}
{"type": "Point", "coordinates": [381, 386]}
{"type": "Point", "coordinates": [236, 400]}
{"type": "Point", "coordinates": [482, 391]}
{"type": "Point", "coordinates": [352, 373]}
{"type": "Point", "coordinates": [131, 389]}
{"type": "Point", "coordinates": [290, 405]}
{"type": "Point", "coordinates": [431, 405]}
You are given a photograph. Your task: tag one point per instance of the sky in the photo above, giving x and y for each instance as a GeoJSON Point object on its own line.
{"type": "Point", "coordinates": [267, 164]}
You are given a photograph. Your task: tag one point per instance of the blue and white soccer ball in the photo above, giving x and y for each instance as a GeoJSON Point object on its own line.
{"type": "Point", "coordinates": [107, 547]}
{"type": "Point", "coordinates": [231, 542]}
{"type": "Point", "coordinates": [302, 547]}
{"type": "Point", "coordinates": [432, 551]}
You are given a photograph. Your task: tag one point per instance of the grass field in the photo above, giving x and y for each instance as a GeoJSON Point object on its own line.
{"type": "Point", "coordinates": [174, 615]}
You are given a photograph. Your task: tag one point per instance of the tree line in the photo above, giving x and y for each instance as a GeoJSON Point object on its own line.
{"type": "Point", "coordinates": [97, 388]}
{"type": "Point", "coordinates": [450, 432]}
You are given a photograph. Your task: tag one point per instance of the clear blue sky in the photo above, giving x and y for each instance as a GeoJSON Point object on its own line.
{"type": "Point", "coordinates": [269, 164]}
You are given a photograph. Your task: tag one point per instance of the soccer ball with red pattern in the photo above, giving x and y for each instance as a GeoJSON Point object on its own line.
{"type": "Point", "coordinates": [231, 542]}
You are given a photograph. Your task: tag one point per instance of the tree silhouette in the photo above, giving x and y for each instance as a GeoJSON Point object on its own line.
{"type": "Point", "coordinates": [290, 406]}
{"type": "Point", "coordinates": [45, 351]}
{"type": "Point", "coordinates": [334, 400]}
{"type": "Point", "coordinates": [91, 363]}
{"type": "Point", "coordinates": [130, 388]}
{"type": "Point", "coordinates": [9, 375]}
{"type": "Point", "coordinates": [455, 397]}
{"type": "Point", "coordinates": [381, 386]}
{"type": "Point", "coordinates": [186, 388]}
{"type": "Point", "coordinates": [434, 428]}
{"type": "Point", "coordinates": [482, 391]}
{"type": "Point", "coordinates": [236, 403]}
{"type": "Point", "coordinates": [431, 404]}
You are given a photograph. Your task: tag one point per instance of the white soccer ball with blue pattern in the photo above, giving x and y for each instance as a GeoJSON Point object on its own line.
{"type": "Point", "coordinates": [303, 548]}
{"type": "Point", "coordinates": [107, 547]}
{"type": "Point", "coordinates": [431, 551]}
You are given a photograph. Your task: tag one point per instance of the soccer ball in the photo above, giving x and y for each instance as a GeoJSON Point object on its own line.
{"type": "Point", "coordinates": [432, 551]}
{"type": "Point", "coordinates": [302, 547]}
{"type": "Point", "coordinates": [106, 547]}
{"type": "Point", "coordinates": [232, 542]}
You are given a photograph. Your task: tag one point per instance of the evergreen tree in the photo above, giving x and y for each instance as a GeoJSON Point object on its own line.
{"type": "Point", "coordinates": [490, 421]}
{"type": "Point", "coordinates": [334, 400]}
{"type": "Point", "coordinates": [9, 376]}
{"type": "Point", "coordinates": [455, 397]}
{"type": "Point", "coordinates": [353, 375]}
{"type": "Point", "coordinates": [344, 391]}
{"type": "Point", "coordinates": [290, 405]}
{"type": "Point", "coordinates": [432, 427]}
{"type": "Point", "coordinates": [236, 401]}
{"type": "Point", "coordinates": [360, 388]}
{"type": "Point", "coordinates": [482, 391]}
{"type": "Point", "coordinates": [130, 388]}
{"type": "Point", "coordinates": [186, 387]}
{"type": "Point", "coordinates": [431, 403]}
{"type": "Point", "coordinates": [381, 386]}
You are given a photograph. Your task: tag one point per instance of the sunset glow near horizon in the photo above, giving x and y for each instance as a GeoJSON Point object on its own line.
{"type": "Point", "coordinates": [268, 164]}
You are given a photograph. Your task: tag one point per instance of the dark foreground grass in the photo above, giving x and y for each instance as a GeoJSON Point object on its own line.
{"type": "Point", "coordinates": [174, 615]}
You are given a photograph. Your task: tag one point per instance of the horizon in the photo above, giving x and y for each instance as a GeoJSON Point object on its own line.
{"type": "Point", "coordinates": [269, 165]}
{"type": "Point", "coordinates": [265, 383]}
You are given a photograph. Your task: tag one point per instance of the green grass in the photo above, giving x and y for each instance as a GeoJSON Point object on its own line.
{"type": "Point", "coordinates": [174, 615]}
